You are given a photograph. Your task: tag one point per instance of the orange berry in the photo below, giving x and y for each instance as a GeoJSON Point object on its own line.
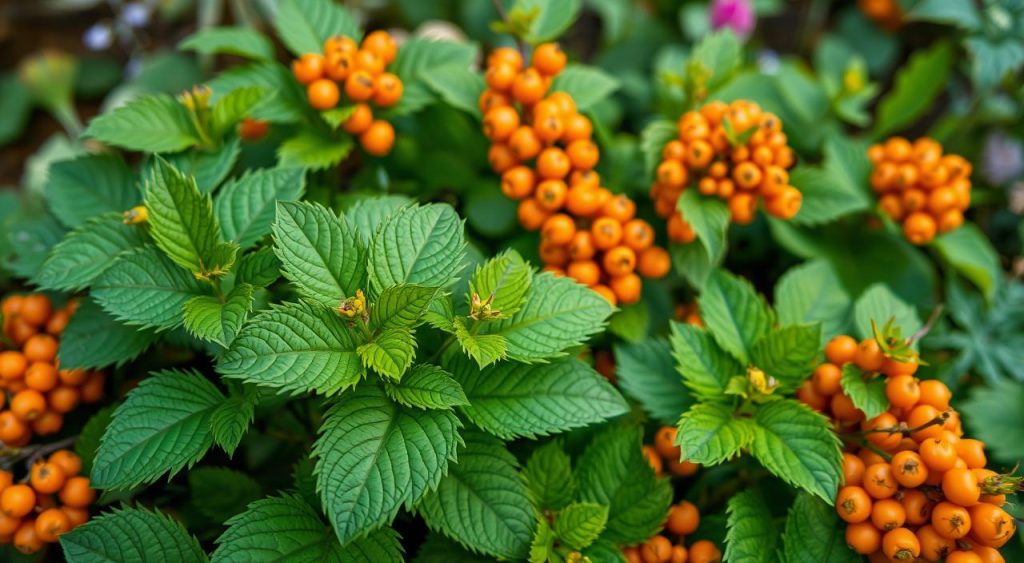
{"type": "Point", "coordinates": [340, 44]}
{"type": "Point", "coordinates": [339, 65]}
{"type": "Point", "coordinates": [549, 59]}
{"type": "Point", "coordinates": [658, 549]}
{"type": "Point", "coordinates": [863, 537]}
{"type": "Point", "coordinates": [577, 127]}
{"type": "Point", "coordinates": [500, 122]}
{"type": "Point", "coordinates": [961, 486]}
{"type": "Point", "coordinates": [853, 469]}
{"type": "Point", "coordinates": [637, 234]}
{"type": "Point", "coordinates": [12, 428]}
{"type": "Point", "coordinates": [369, 62]}
{"type": "Point", "coordinates": [742, 207]}
{"type": "Point", "coordinates": [935, 393]}
{"type": "Point", "coordinates": [48, 423]}
{"type": "Point", "coordinates": [553, 163]}
{"type": "Point", "coordinates": [627, 288]}
{"type": "Point", "coordinates": [250, 130]}
{"type": "Point", "coordinates": [786, 204]}
{"type": "Point", "coordinates": [500, 76]}
{"type": "Point", "coordinates": [826, 378]}
{"type": "Point", "coordinates": [551, 194]}
{"type": "Point", "coordinates": [582, 246]}
{"type": "Point", "coordinates": [506, 55]}
{"type": "Point", "coordinates": [40, 348]}
{"type": "Point", "coordinates": [900, 545]}
{"type": "Point", "coordinates": [501, 157]}
{"type": "Point", "coordinates": [587, 272]}
{"type": "Point", "coordinates": [77, 493]}
{"type": "Point", "coordinates": [25, 539]}
{"type": "Point", "coordinates": [950, 220]}
{"type": "Point", "coordinates": [517, 182]}
{"type": "Point", "coordinates": [683, 519]}
{"type": "Point", "coordinates": [583, 154]}
{"type": "Point", "coordinates": [41, 376]}
{"type": "Point", "coordinates": [378, 138]}
{"type": "Point", "coordinates": [524, 142]}
{"type": "Point", "coordinates": [530, 214]}
{"type": "Point", "coordinates": [869, 355]}
{"type": "Point", "coordinates": [950, 520]}
{"type": "Point", "coordinates": [902, 391]}
{"type": "Point", "coordinates": [359, 86]}
{"type": "Point", "coordinates": [619, 261]}
{"type": "Point", "coordinates": [607, 233]}
{"type": "Point", "coordinates": [841, 350]}
{"type": "Point", "coordinates": [654, 262]}
{"type": "Point", "coordinates": [558, 229]}
{"type": "Point", "coordinates": [972, 452]}
{"type": "Point", "coordinates": [492, 99]}
{"type": "Point", "coordinates": [528, 87]}
{"type": "Point", "coordinates": [51, 523]}
{"type": "Point", "coordinates": [583, 200]}
{"type": "Point", "coordinates": [665, 443]}
{"type": "Point", "coordinates": [17, 500]}
{"type": "Point", "coordinates": [67, 460]}
{"type": "Point", "coordinates": [28, 404]}
{"type": "Point", "coordinates": [62, 399]}
{"type": "Point", "coordinates": [388, 90]}
{"type": "Point", "coordinates": [322, 94]}
{"type": "Point", "coordinates": [12, 365]}
{"type": "Point", "coordinates": [360, 120]}
{"type": "Point", "coordinates": [909, 469]}
{"type": "Point", "coordinates": [919, 228]}
{"type": "Point", "coordinates": [308, 67]}
{"type": "Point", "coordinates": [888, 514]}
{"type": "Point", "coordinates": [606, 292]}
{"type": "Point", "coordinates": [704, 551]}
{"type": "Point", "coordinates": [382, 44]}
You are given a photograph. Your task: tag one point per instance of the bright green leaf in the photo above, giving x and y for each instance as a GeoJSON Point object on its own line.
{"type": "Point", "coordinates": [401, 306]}
{"type": "Point", "coordinates": [646, 371]}
{"type": "Point", "coordinates": [427, 387]}
{"type": "Point", "coordinates": [815, 534]}
{"type": "Point", "coordinates": [246, 206]}
{"type": "Point", "coordinates": [131, 534]}
{"type": "Point", "coordinates": [971, 253]}
{"type": "Point", "coordinates": [87, 252]}
{"type": "Point", "coordinates": [879, 304]}
{"type": "Point", "coordinates": [417, 244]}
{"type": "Point", "coordinates": [734, 314]}
{"type": "Point", "coordinates": [207, 318]}
{"type": "Point", "coordinates": [150, 123]}
{"type": "Point", "coordinates": [705, 368]}
{"type": "Point", "coordinates": [239, 41]}
{"type": "Point", "coordinates": [549, 479]}
{"type": "Point", "coordinates": [503, 281]}
{"type": "Point", "coordinates": [79, 189]}
{"type": "Point", "coordinates": [797, 445]}
{"type": "Point", "coordinates": [916, 85]}
{"type": "Point", "coordinates": [304, 25]}
{"type": "Point", "coordinates": [580, 523]}
{"type": "Point", "coordinates": [788, 353]}
{"type": "Point", "coordinates": [390, 353]}
{"type": "Point", "coordinates": [813, 292]}
{"type": "Point", "coordinates": [867, 395]}
{"type": "Point", "coordinates": [710, 434]}
{"type": "Point", "coordinates": [752, 535]}
{"type": "Point", "coordinates": [181, 218]}
{"type": "Point", "coordinates": [587, 85]}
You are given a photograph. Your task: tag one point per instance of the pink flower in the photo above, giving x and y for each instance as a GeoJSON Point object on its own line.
{"type": "Point", "coordinates": [737, 15]}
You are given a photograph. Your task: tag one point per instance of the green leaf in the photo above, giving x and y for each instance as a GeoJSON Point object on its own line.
{"type": "Point", "coordinates": [916, 85]}
{"type": "Point", "coordinates": [814, 534]}
{"type": "Point", "coordinates": [992, 59]}
{"type": "Point", "coordinates": [87, 252]}
{"type": "Point", "coordinates": [694, 263]}
{"type": "Point", "coordinates": [485, 349]}
{"type": "Point", "coordinates": [368, 214]}
{"type": "Point", "coordinates": [246, 206]}
{"type": "Point", "coordinates": [653, 138]}
{"type": "Point", "coordinates": [797, 445]}
{"type": "Point", "coordinates": [320, 251]}
{"type": "Point", "coordinates": [868, 396]}
{"type": "Point", "coordinates": [604, 550]}
{"type": "Point", "coordinates": [458, 86]}
{"type": "Point", "coordinates": [144, 288]}
{"type": "Point", "coordinates": [734, 314]}
{"type": "Point", "coordinates": [230, 109]}
{"type": "Point", "coordinates": [879, 304]}
{"type": "Point", "coordinates": [709, 218]}
{"type": "Point", "coordinates": [295, 347]}
{"type": "Point", "coordinates": [516, 400]}
{"type": "Point", "coordinates": [208, 318]}
{"type": "Point", "coordinates": [89, 438]}
{"type": "Point", "coordinates": [558, 314]}
{"type": "Point", "coordinates": [15, 106]}
{"type": "Point", "coordinates": [28, 241]}
{"type": "Point", "coordinates": [549, 479]}
{"type": "Point", "coordinates": [613, 472]}
{"type": "Point", "coordinates": [579, 524]}
{"type": "Point", "coordinates": [482, 502]}
{"type": "Point", "coordinates": [181, 218]}
{"type": "Point", "coordinates": [835, 189]}
{"type": "Point", "coordinates": [390, 353]}
{"type": "Point", "coordinates": [314, 149]}
{"type": "Point", "coordinates": [439, 549]}
{"type": "Point", "coordinates": [813, 292]}
{"type": "Point", "coordinates": [239, 41]}
{"type": "Point", "coordinates": [209, 167]}
{"type": "Point", "coordinates": [709, 434]}
{"type": "Point", "coordinates": [504, 281]}
{"type": "Point", "coordinates": [420, 58]}
{"type": "Point", "coordinates": [587, 85]}
{"type": "Point", "coordinates": [162, 426]}
{"type": "Point", "coordinates": [285, 100]}
{"type": "Point", "coordinates": [993, 415]}
{"type": "Point", "coordinates": [304, 25]}
{"type": "Point", "coordinates": [958, 13]}
{"type": "Point", "coordinates": [719, 55]}
{"type": "Point", "coordinates": [131, 534]}
{"type": "Point", "coordinates": [373, 456]}
{"type": "Point", "coordinates": [280, 528]}
{"type": "Point", "coordinates": [706, 368]}
{"type": "Point", "coordinates": [752, 535]}
{"type": "Point", "coordinates": [258, 269]}
{"type": "Point", "coordinates": [971, 253]}
{"type": "Point", "coordinates": [94, 339]}
{"type": "Point", "coordinates": [788, 353]}
{"type": "Point", "coordinates": [542, 548]}
{"type": "Point", "coordinates": [631, 322]}
{"type": "Point", "coordinates": [149, 123]}
{"type": "Point", "coordinates": [219, 493]}
{"type": "Point", "coordinates": [79, 189]}
{"type": "Point", "coordinates": [550, 17]}
{"type": "Point", "coordinates": [417, 244]}
{"type": "Point", "coordinates": [401, 306]}
{"type": "Point", "coordinates": [231, 420]}
{"type": "Point", "coordinates": [427, 387]}
{"type": "Point", "coordinates": [382, 544]}
{"type": "Point", "coordinates": [646, 372]}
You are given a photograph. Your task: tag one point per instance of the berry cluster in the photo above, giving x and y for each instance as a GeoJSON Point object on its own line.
{"type": "Point", "coordinates": [357, 71]}
{"type": "Point", "coordinates": [920, 187]}
{"type": "Point", "coordinates": [665, 451]}
{"type": "Point", "coordinates": [913, 485]}
{"type": "Point", "coordinates": [36, 391]}
{"type": "Point", "coordinates": [542, 147]}
{"type": "Point", "coordinates": [683, 520]}
{"type": "Point", "coordinates": [52, 500]}
{"type": "Point", "coordinates": [734, 151]}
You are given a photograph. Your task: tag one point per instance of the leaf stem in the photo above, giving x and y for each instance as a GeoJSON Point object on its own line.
{"type": "Point", "coordinates": [924, 330]}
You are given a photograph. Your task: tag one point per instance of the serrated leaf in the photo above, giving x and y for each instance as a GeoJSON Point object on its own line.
{"type": "Point", "coordinates": [231, 420]}
{"type": "Point", "coordinates": [516, 400]}
{"type": "Point", "coordinates": [646, 372]}
{"type": "Point", "coordinates": [814, 534]}
{"type": "Point", "coordinates": [709, 218]}
{"type": "Point", "coordinates": [144, 288]}
{"type": "Point", "coordinates": [219, 493]}
{"type": "Point", "coordinates": [720, 55]}
{"type": "Point", "coordinates": [587, 85]}
{"type": "Point", "coordinates": [239, 41]}
{"type": "Point", "coordinates": [543, 545]}
{"type": "Point", "coordinates": [993, 415]}
{"type": "Point", "coordinates": [417, 244]}
{"type": "Point", "coordinates": [558, 314]}
{"type": "Point", "coordinates": [485, 349]}
{"type": "Point", "coordinates": [797, 445]}
{"type": "Point", "coordinates": [230, 109]}
{"type": "Point", "coordinates": [482, 502]}
{"type": "Point", "coordinates": [313, 149]}
{"type": "Point", "coordinates": [604, 550]}
{"type": "Point", "coordinates": [208, 318]}
{"type": "Point", "coordinates": [320, 252]}
{"type": "Point", "coordinates": [734, 314]}
{"type": "Point", "coordinates": [549, 479]}
{"type": "Point", "coordinates": [918, 83]}
{"type": "Point", "coordinates": [295, 347]}
{"type": "Point", "coordinates": [150, 123]}
{"type": "Point", "coordinates": [90, 436]}
{"type": "Point", "coordinates": [304, 25]}
{"type": "Point", "coordinates": [181, 218]}
{"type": "Point", "coordinates": [209, 166]}
{"type": "Point", "coordinates": [504, 281]}
{"type": "Point", "coordinates": [879, 304]}
{"type": "Point", "coordinates": [813, 292]}
{"type": "Point", "coordinates": [421, 57]}
{"type": "Point", "coordinates": [373, 456]}
{"type": "Point", "coordinates": [281, 528]}
{"type": "Point", "coordinates": [390, 353]}
{"type": "Point", "coordinates": [79, 189]}
{"type": "Point", "coordinates": [867, 395]}
{"type": "Point", "coordinates": [972, 254]}
{"type": "Point", "coordinates": [246, 206]}
{"type": "Point", "coordinates": [131, 534]}
{"type": "Point", "coordinates": [653, 138]}
{"type": "Point", "coordinates": [258, 269]}
{"type": "Point", "coordinates": [706, 368]}
{"type": "Point", "coordinates": [579, 524]}
{"type": "Point", "coordinates": [162, 426]}
{"type": "Point", "coordinates": [87, 252]}
{"type": "Point", "coordinates": [694, 263]}
{"type": "Point", "coordinates": [286, 100]}
{"type": "Point", "coordinates": [752, 535]}
{"type": "Point", "coordinates": [835, 189]}
{"type": "Point", "coordinates": [427, 387]}
{"type": "Point", "coordinates": [368, 214]}
{"type": "Point", "coordinates": [94, 339]}
{"type": "Point", "coordinates": [613, 472]}
{"type": "Point", "coordinates": [710, 434]}
{"type": "Point", "coordinates": [788, 353]}
{"type": "Point", "coordinates": [401, 306]}
{"type": "Point", "coordinates": [458, 86]}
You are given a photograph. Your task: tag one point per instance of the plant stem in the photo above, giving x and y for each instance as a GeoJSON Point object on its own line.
{"type": "Point", "coordinates": [924, 330]}
{"type": "Point", "coordinates": [902, 427]}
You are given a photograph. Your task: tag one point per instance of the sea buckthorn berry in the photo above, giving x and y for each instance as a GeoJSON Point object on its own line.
{"type": "Point", "coordinates": [524, 143]}
{"type": "Point", "coordinates": [665, 443]}
{"type": "Point", "coordinates": [500, 123]}
{"type": "Point", "coordinates": [619, 261]}
{"type": "Point", "coordinates": [619, 207]}
{"type": "Point", "coordinates": [491, 99]}
{"type": "Point", "coordinates": [627, 288]}
{"type": "Point", "coordinates": [853, 469]}
{"type": "Point", "coordinates": [250, 130]}
{"type": "Point", "coordinates": [387, 90]}
{"type": "Point", "coordinates": [888, 514]}
{"type": "Point", "coordinates": [920, 416]}
{"type": "Point", "coordinates": [909, 469]}
{"type": "Point", "coordinates": [12, 365]}
{"type": "Point", "coordinates": [48, 423]}
{"type": "Point", "coordinates": [51, 523]}
{"type": "Point", "coordinates": [40, 348]}
{"type": "Point", "coordinates": [902, 391]}
{"type": "Point", "coordinates": [339, 65]}
{"type": "Point", "coordinates": [551, 194]}
{"type": "Point", "coordinates": [549, 128]}
{"type": "Point", "coordinates": [67, 460]}
{"type": "Point", "coordinates": [679, 230]}
{"type": "Point", "coordinates": [935, 393]}
{"type": "Point", "coordinates": [786, 204]}
{"type": "Point", "coordinates": [683, 519]}
{"type": "Point", "coordinates": [637, 234]}
{"type": "Point", "coordinates": [529, 213]}
{"type": "Point", "coordinates": [841, 350]}
{"type": "Point", "coordinates": [47, 478]}
{"type": "Point", "coordinates": [506, 55]}
{"type": "Point", "coordinates": [549, 59]}
{"type": "Point", "coordinates": [808, 396]}
{"type": "Point", "coordinates": [863, 537]}
{"type": "Point", "coordinates": [826, 379]}
{"type": "Point", "coordinates": [705, 551]}
{"type": "Point", "coordinates": [961, 486]}
{"type": "Point", "coordinates": [658, 549]}
{"type": "Point", "coordinates": [934, 546]}
{"type": "Point", "coordinates": [607, 233]}
{"type": "Point", "coordinates": [963, 557]}
{"type": "Point", "coordinates": [879, 481]}
{"type": "Point", "coordinates": [917, 506]}
{"type": "Point", "coordinates": [699, 154]}
{"type": "Point", "coordinates": [583, 201]}
{"type": "Point", "coordinates": [972, 452]}
{"type": "Point", "coordinates": [77, 493]}
{"type": "Point", "coordinates": [25, 539]}
{"type": "Point", "coordinates": [518, 182]}
{"type": "Point", "coordinates": [553, 163]}
{"type": "Point", "coordinates": [880, 431]}
{"type": "Point", "coordinates": [308, 67]}
{"type": "Point", "coordinates": [553, 254]}
{"type": "Point", "coordinates": [583, 154]}
{"type": "Point", "coordinates": [73, 377]}
{"type": "Point", "coordinates": [17, 500]}
{"type": "Point", "coordinates": [653, 262]}
{"type": "Point", "coordinates": [742, 207]}
{"type": "Point", "coordinates": [938, 455]}
{"type": "Point", "coordinates": [41, 376]}
{"type": "Point", "coordinates": [577, 127]}
{"type": "Point", "coordinates": [991, 524]}
{"type": "Point", "coordinates": [360, 119]}
{"type": "Point", "coordinates": [951, 520]}
{"type": "Point", "coordinates": [28, 404]}
{"type": "Point", "coordinates": [369, 62]}
{"type": "Point", "coordinates": [378, 138]}
{"type": "Point", "coordinates": [606, 292]}
{"type": "Point", "coordinates": [901, 545]}
{"type": "Point", "coordinates": [853, 504]}
{"type": "Point", "coordinates": [558, 229]}
{"type": "Point", "coordinates": [382, 44]}
{"type": "Point", "coordinates": [869, 355]}
{"type": "Point", "coordinates": [528, 87]}
{"type": "Point", "coordinates": [340, 44]}
{"type": "Point", "coordinates": [501, 157]}
{"type": "Point", "coordinates": [359, 86]}
{"type": "Point", "coordinates": [582, 246]}
{"type": "Point", "coordinates": [653, 459]}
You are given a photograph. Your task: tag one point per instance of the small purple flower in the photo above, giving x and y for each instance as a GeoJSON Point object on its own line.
{"type": "Point", "coordinates": [1002, 158]}
{"type": "Point", "coordinates": [98, 37]}
{"type": "Point", "coordinates": [135, 14]}
{"type": "Point", "coordinates": [737, 15]}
